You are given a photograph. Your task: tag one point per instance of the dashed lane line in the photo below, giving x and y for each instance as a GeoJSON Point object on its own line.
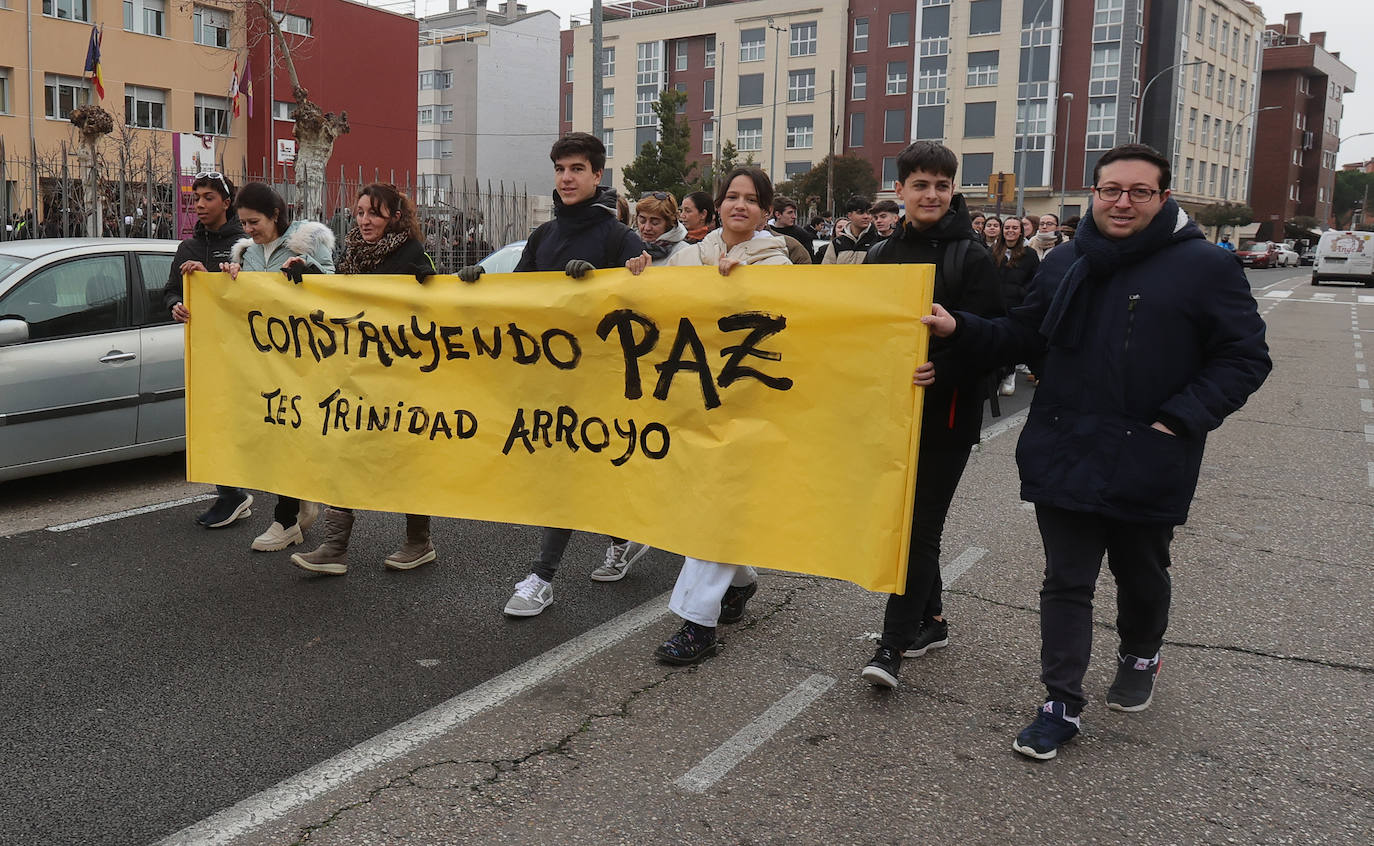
{"type": "Point", "coordinates": [132, 512]}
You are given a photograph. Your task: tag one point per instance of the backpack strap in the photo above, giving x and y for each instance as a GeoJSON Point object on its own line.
{"type": "Point", "coordinates": [954, 260]}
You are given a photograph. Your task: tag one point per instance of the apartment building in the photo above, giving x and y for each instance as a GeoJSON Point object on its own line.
{"type": "Point", "coordinates": [1302, 91]}
{"type": "Point", "coordinates": [774, 61]}
{"type": "Point", "coordinates": [480, 117]}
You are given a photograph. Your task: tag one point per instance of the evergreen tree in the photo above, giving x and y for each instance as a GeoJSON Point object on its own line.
{"type": "Point", "coordinates": [854, 177]}
{"type": "Point", "coordinates": [662, 165]}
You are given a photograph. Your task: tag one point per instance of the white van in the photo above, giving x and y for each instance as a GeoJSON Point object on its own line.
{"type": "Point", "coordinates": [1345, 256]}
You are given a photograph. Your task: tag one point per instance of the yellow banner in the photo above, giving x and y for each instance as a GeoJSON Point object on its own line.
{"type": "Point", "coordinates": [763, 418]}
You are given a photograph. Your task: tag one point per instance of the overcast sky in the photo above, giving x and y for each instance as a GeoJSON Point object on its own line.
{"type": "Point", "coordinates": [1346, 23]}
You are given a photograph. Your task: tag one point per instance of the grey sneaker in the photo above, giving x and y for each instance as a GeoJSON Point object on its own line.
{"type": "Point", "coordinates": [531, 597]}
{"type": "Point", "coordinates": [619, 557]}
{"type": "Point", "coordinates": [1134, 686]}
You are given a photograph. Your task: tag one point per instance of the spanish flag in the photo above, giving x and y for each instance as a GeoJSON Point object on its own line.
{"type": "Point", "coordinates": [93, 62]}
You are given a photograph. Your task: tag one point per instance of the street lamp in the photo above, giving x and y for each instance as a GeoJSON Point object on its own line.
{"type": "Point", "coordinates": [1140, 104]}
{"type": "Point", "coordinates": [1230, 150]}
{"type": "Point", "coordinates": [1067, 97]}
{"type": "Point", "coordinates": [773, 130]}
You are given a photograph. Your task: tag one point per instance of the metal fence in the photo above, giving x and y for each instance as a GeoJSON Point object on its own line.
{"type": "Point", "coordinates": [129, 192]}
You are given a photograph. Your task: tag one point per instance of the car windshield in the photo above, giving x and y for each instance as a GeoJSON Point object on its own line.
{"type": "Point", "coordinates": [9, 263]}
{"type": "Point", "coordinates": [1254, 246]}
{"type": "Point", "coordinates": [505, 259]}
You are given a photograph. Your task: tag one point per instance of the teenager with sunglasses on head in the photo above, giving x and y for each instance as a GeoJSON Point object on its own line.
{"type": "Point", "coordinates": [217, 230]}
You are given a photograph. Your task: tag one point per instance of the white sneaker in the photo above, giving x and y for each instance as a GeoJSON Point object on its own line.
{"type": "Point", "coordinates": [1008, 386]}
{"type": "Point", "coordinates": [277, 537]}
{"type": "Point", "coordinates": [1023, 369]}
{"type": "Point", "coordinates": [619, 557]}
{"type": "Point", "coordinates": [309, 513]}
{"type": "Point", "coordinates": [531, 597]}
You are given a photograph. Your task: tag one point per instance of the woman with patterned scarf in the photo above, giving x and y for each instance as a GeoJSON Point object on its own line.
{"type": "Point", "coordinates": [386, 240]}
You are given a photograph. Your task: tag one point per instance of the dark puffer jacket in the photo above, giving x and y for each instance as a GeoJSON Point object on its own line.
{"type": "Point", "coordinates": [588, 231]}
{"type": "Point", "coordinates": [952, 412]}
{"type": "Point", "coordinates": [209, 247]}
{"type": "Point", "coordinates": [1174, 338]}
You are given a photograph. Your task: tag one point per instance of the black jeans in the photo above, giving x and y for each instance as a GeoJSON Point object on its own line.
{"type": "Point", "coordinates": [552, 542]}
{"type": "Point", "coordinates": [1138, 556]}
{"type": "Point", "coordinates": [938, 471]}
{"type": "Point", "coordinates": [287, 510]}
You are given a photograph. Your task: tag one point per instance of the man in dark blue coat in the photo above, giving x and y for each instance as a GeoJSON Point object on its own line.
{"type": "Point", "coordinates": [1149, 338]}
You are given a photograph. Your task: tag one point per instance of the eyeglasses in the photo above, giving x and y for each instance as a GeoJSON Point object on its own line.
{"type": "Point", "coordinates": [657, 195]}
{"type": "Point", "coordinates": [1138, 195]}
{"type": "Point", "coordinates": [216, 175]}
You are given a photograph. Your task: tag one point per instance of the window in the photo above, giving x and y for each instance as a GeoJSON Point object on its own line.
{"type": "Point", "coordinates": [1206, 129]}
{"type": "Point", "coordinates": [680, 54]}
{"type": "Point", "coordinates": [567, 106]}
{"type": "Point", "coordinates": [146, 16]}
{"type": "Point", "coordinates": [800, 131]}
{"type": "Point", "coordinates": [1244, 103]}
{"type": "Point", "coordinates": [1201, 22]}
{"type": "Point", "coordinates": [281, 110]}
{"type": "Point", "coordinates": [803, 40]}
{"type": "Point", "coordinates": [750, 135]}
{"type": "Point", "coordinates": [1107, 19]}
{"type": "Point", "coordinates": [895, 126]}
{"type": "Point", "coordinates": [645, 98]}
{"type": "Point", "coordinates": [930, 122]}
{"type": "Point", "coordinates": [861, 35]}
{"type": "Point", "coordinates": [608, 103]}
{"type": "Point", "coordinates": [1212, 179]}
{"type": "Point", "coordinates": [710, 51]}
{"type": "Point", "coordinates": [430, 80]}
{"type": "Point", "coordinates": [1212, 33]}
{"type": "Point", "coordinates": [856, 129]}
{"type": "Point", "coordinates": [1231, 90]}
{"type": "Point", "coordinates": [708, 138]}
{"type": "Point", "coordinates": [1235, 43]}
{"type": "Point", "coordinates": [211, 26]}
{"type": "Point", "coordinates": [1207, 87]}
{"type": "Point", "coordinates": [1188, 175]}
{"type": "Point", "coordinates": [5, 90]}
{"type": "Point", "coordinates": [1101, 124]}
{"type": "Point", "coordinates": [1304, 85]}
{"type": "Point", "coordinates": [143, 107]}
{"type": "Point", "coordinates": [649, 63]}
{"type": "Point", "coordinates": [1197, 78]}
{"type": "Point", "coordinates": [751, 89]}
{"type": "Point", "coordinates": [681, 88]}
{"type": "Point", "coordinates": [896, 77]}
{"type": "Point", "coordinates": [751, 45]}
{"type": "Point", "coordinates": [424, 115]}
{"type": "Point", "coordinates": [889, 170]}
{"type": "Point", "coordinates": [608, 61]}
{"type": "Point", "coordinates": [78, 297]}
{"type": "Point", "coordinates": [212, 115]}
{"type": "Point", "coordinates": [296, 25]}
{"type": "Point", "coordinates": [984, 17]}
{"type": "Point", "coordinates": [440, 148]}
{"type": "Point", "coordinates": [446, 114]}
{"type": "Point", "coordinates": [1225, 36]}
{"type": "Point", "coordinates": [1297, 157]}
{"type": "Point", "coordinates": [980, 120]}
{"type": "Point", "coordinates": [982, 68]}
{"type": "Point", "coordinates": [708, 95]}
{"type": "Point", "coordinates": [1192, 125]}
{"type": "Point", "coordinates": [1106, 70]}
{"type": "Point", "coordinates": [899, 29]}
{"type": "Point", "coordinates": [858, 88]}
{"type": "Point", "coordinates": [930, 85]}
{"type": "Point", "coordinates": [801, 86]}
{"type": "Point", "coordinates": [68, 10]}
{"type": "Point", "coordinates": [608, 139]}
{"type": "Point", "coordinates": [568, 68]}
{"type": "Point", "coordinates": [793, 170]}
{"type": "Point", "coordinates": [976, 168]}
{"type": "Point", "coordinates": [156, 267]}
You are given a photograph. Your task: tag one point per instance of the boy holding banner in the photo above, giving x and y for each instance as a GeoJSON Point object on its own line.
{"type": "Point", "coordinates": [936, 230]}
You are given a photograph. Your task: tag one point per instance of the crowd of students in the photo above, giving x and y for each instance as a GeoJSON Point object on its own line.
{"type": "Point", "coordinates": [1007, 291]}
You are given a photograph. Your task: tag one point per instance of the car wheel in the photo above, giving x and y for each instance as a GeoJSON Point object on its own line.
{"type": "Point", "coordinates": [1315, 280]}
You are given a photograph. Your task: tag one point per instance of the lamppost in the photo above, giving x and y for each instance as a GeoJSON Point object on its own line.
{"type": "Point", "coordinates": [1140, 104]}
{"type": "Point", "coordinates": [1230, 150]}
{"type": "Point", "coordinates": [773, 129]}
{"type": "Point", "coordinates": [1067, 97]}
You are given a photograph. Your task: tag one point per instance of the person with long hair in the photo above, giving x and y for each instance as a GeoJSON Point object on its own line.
{"type": "Point", "coordinates": [711, 593]}
{"type": "Point", "coordinates": [386, 240]}
{"type": "Point", "coordinates": [992, 231]}
{"type": "Point", "coordinates": [698, 214]}
{"type": "Point", "coordinates": [979, 220]}
{"type": "Point", "coordinates": [275, 242]}
{"type": "Point", "coordinates": [1016, 265]}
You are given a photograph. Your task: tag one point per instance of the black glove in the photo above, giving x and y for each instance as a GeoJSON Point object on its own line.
{"type": "Point", "coordinates": [471, 273]}
{"type": "Point", "coordinates": [422, 275]}
{"type": "Point", "coordinates": [294, 272]}
{"type": "Point", "coordinates": [577, 268]}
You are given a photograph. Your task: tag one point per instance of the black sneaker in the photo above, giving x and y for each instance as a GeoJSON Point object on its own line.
{"type": "Point", "coordinates": [691, 645]}
{"type": "Point", "coordinates": [934, 634]}
{"type": "Point", "coordinates": [1052, 728]}
{"type": "Point", "coordinates": [882, 670]}
{"type": "Point", "coordinates": [732, 604]}
{"type": "Point", "coordinates": [1134, 685]}
{"type": "Point", "coordinates": [226, 510]}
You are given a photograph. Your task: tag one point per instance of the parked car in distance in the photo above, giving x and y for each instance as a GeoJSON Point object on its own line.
{"type": "Point", "coordinates": [1307, 257]}
{"type": "Point", "coordinates": [91, 363]}
{"type": "Point", "coordinates": [1345, 255]}
{"type": "Point", "coordinates": [1258, 254]}
{"type": "Point", "coordinates": [505, 259]}
{"type": "Point", "coordinates": [1288, 257]}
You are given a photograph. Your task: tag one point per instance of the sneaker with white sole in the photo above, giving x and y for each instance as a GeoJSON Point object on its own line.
{"type": "Point", "coordinates": [1052, 728]}
{"type": "Point", "coordinates": [883, 669]}
{"type": "Point", "coordinates": [934, 634]}
{"type": "Point", "coordinates": [531, 597]}
{"type": "Point", "coordinates": [277, 537]}
{"type": "Point", "coordinates": [1008, 386]}
{"type": "Point", "coordinates": [619, 557]}
{"type": "Point", "coordinates": [226, 510]}
{"type": "Point", "coordinates": [1134, 685]}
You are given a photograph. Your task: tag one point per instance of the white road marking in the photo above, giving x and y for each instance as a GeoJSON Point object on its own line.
{"type": "Point", "coordinates": [1365, 298]}
{"type": "Point", "coordinates": [1006, 424]}
{"type": "Point", "coordinates": [1371, 474]}
{"type": "Point", "coordinates": [132, 512]}
{"type": "Point", "coordinates": [1364, 384]}
{"type": "Point", "coordinates": [714, 766]}
{"type": "Point", "coordinates": [1278, 295]}
{"type": "Point", "coordinates": [961, 565]}
{"type": "Point", "coordinates": [1359, 368]}
{"type": "Point", "coordinates": [1323, 296]}
{"type": "Point", "coordinates": [286, 796]}
{"type": "Point", "coordinates": [1369, 433]}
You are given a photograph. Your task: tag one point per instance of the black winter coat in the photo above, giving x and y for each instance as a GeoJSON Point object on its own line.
{"type": "Point", "coordinates": [952, 412]}
{"type": "Point", "coordinates": [210, 248]}
{"type": "Point", "coordinates": [1016, 278]}
{"type": "Point", "coordinates": [1175, 338]}
{"type": "Point", "coordinates": [588, 231]}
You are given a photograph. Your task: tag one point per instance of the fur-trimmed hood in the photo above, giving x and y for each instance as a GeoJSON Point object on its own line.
{"type": "Point", "coordinates": [304, 238]}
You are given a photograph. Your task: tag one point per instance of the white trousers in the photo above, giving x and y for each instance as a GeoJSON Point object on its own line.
{"type": "Point", "coordinates": [701, 585]}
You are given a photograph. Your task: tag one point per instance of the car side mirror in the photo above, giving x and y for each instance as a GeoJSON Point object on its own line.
{"type": "Point", "coordinates": [13, 330]}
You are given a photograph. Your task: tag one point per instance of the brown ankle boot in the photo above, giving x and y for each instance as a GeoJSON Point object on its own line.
{"type": "Point", "coordinates": [417, 549]}
{"type": "Point", "coordinates": [331, 556]}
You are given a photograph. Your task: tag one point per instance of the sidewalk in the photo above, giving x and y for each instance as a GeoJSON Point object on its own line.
{"type": "Point", "coordinates": [1259, 732]}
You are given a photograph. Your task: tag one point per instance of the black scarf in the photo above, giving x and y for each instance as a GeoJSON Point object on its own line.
{"type": "Point", "coordinates": [1099, 257]}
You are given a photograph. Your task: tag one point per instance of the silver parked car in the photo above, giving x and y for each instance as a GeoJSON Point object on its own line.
{"type": "Point", "coordinates": [90, 361]}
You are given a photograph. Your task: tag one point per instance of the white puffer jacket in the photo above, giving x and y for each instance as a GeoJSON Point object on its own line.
{"type": "Point", "coordinates": [305, 238]}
